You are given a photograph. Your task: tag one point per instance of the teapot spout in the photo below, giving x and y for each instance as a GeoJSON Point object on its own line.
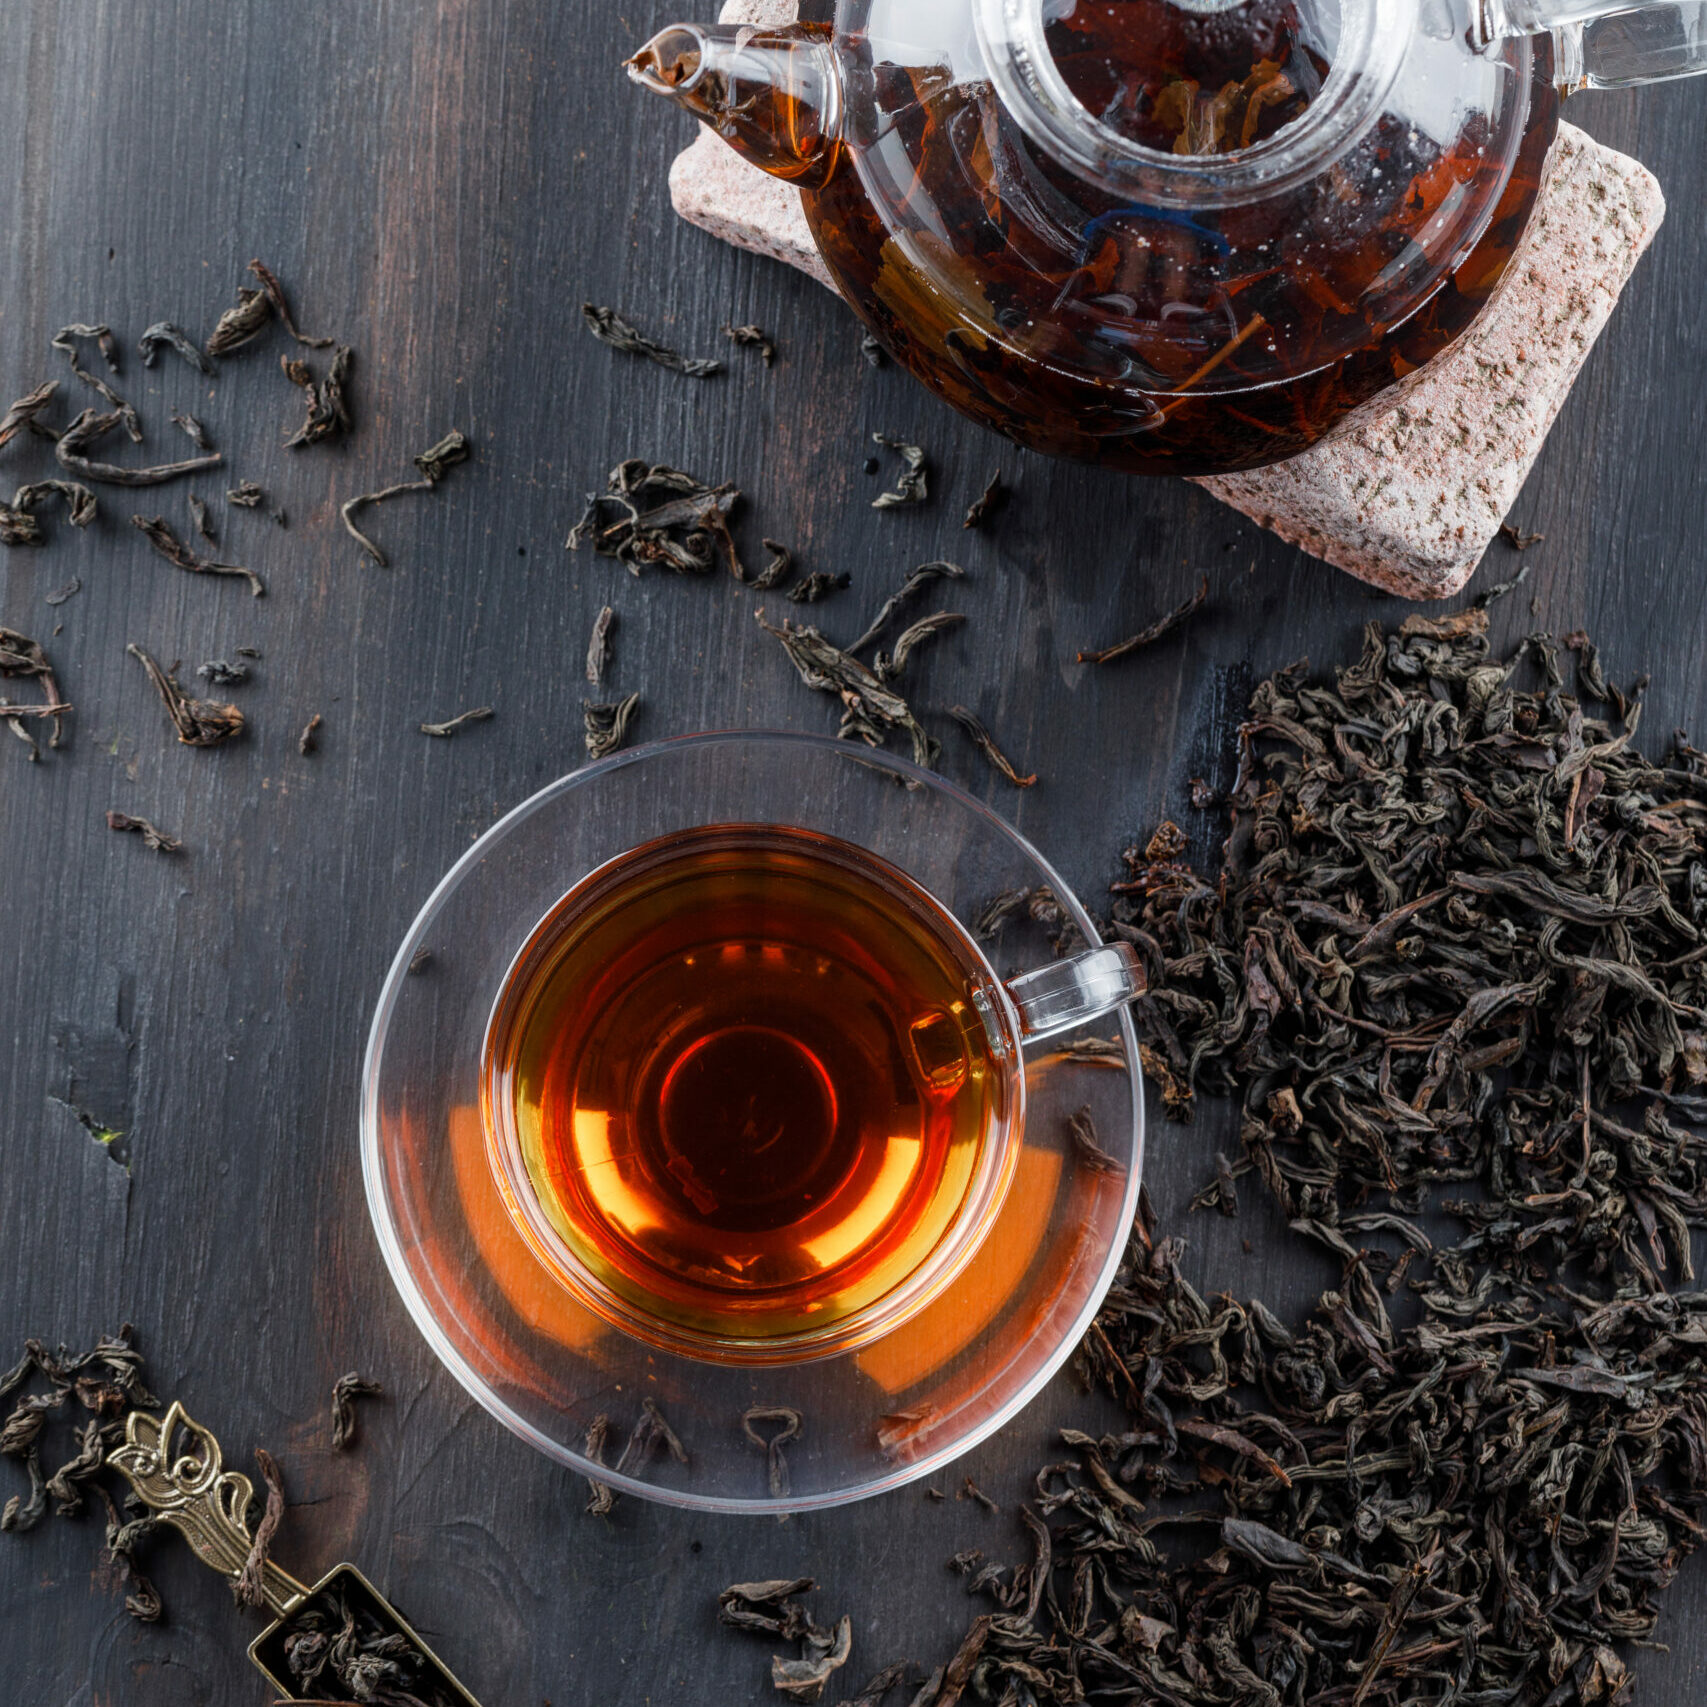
{"type": "Point", "coordinates": [774, 95]}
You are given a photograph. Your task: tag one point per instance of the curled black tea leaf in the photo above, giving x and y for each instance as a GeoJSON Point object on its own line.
{"type": "Point", "coordinates": [191, 428]}
{"type": "Point", "coordinates": [777, 571]}
{"type": "Point", "coordinates": [25, 411]}
{"type": "Point", "coordinates": [25, 659]}
{"type": "Point", "coordinates": [752, 337]}
{"type": "Point", "coordinates": [985, 505]}
{"type": "Point", "coordinates": [601, 1496]}
{"type": "Point", "coordinates": [275, 296]}
{"type": "Point", "coordinates": [89, 429]}
{"type": "Point", "coordinates": [242, 324]}
{"type": "Point", "coordinates": [198, 722]}
{"type": "Point", "coordinates": [606, 726]}
{"type": "Point", "coordinates": [163, 335]}
{"type": "Point", "coordinates": [609, 327]}
{"type": "Point", "coordinates": [871, 350]}
{"type": "Point", "coordinates": [433, 464]}
{"type": "Point", "coordinates": [598, 645]}
{"type": "Point", "coordinates": [818, 586]}
{"type": "Point", "coordinates": [65, 341]}
{"type": "Point", "coordinates": [247, 495]}
{"type": "Point", "coordinates": [986, 744]}
{"type": "Point", "coordinates": [904, 595]}
{"type": "Point", "coordinates": [1517, 539]}
{"type": "Point", "coordinates": [328, 405]}
{"type": "Point", "coordinates": [890, 665]}
{"type": "Point", "coordinates": [222, 672]}
{"type": "Point", "coordinates": [69, 591]}
{"type": "Point", "coordinates": [153, 838]}
{"type": "Point", "coordinates": [200, 518]}
{"type": "Point", "coordinates": [1147, 636]}
{"type": "Point", "coordinates": [969, 1490]}
{"type": "Point", "coordinates": [912, 484]}
{"type": "Point", "coordinates": [478, 714]}
{"type": "Point", "coordinates": [18, 525]}
{"type": "Point", "coordinates": [785, 1425]}
{"type": "Point", "coordinates": [345, 1391]}
{"type": "Point", "coordinates": [651, 514]}
{"type": "Point", "coordinates": [250, 1587]}
{"type": "Point", "coordinates": [158, 534]}
{"type": "Point", "coordinates": [870, 708]}
{"type": "Point", "coordinates": [1087, 1150]}
{"type": "Point", "coordinates": [309, 740]}
{"type": "Point", "coordinates": [650, 1435]}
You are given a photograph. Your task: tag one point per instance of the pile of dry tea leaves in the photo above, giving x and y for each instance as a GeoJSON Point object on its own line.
{"type": "Point", "coordinates": [1454, 967]}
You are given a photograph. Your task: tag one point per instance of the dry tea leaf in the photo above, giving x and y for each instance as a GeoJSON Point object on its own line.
{"type": "Point", "coordinates": [904, 595]}
{"type": "Point", "coordinates": [752, 337]}
{"type": "Point", "coordinates": [158, 840]}
{"type": "Point", "coordinates": [345, 1391]}
{"type": "Point", "coordinates": [606, 726]}
{"type": "Point", "coordinates": [275, 296]}
{"type": "Point", "coordinates": [911, 485]}
{"type": "Point", "coordinates": [1148, 636]}
{"type": "Point", "coordinates": [433, 463]}
{"type": "Point", "coordinates": [65, 341]}
{"type": "Point", "coordinates": [24, 412]}
{"type": "Point", "coordinates": [163, 335]}
{"type": "Point", "coordinates": [158, 534]}
{"type": "Point", "coordinates": [598, 645]}
{"type": "Point", "coordinates": [89, 429]}
{"type": "Point", "coordinates": [478, 714]}
{"type": "Point", "coordinates": [818, 586]}
{"type": "Point", "coordinates": [986, 744]}
{"type": "Point", "coordinates": [328, 406]}
{"type": "Point", "coordinates": [609, 327]}
{"type": "Point", "coordinates": [985, 505]}
{"type": "Point", "coordinates": [199, 722]}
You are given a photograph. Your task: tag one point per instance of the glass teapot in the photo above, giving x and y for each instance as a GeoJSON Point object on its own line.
{"type": "Point", "coordinates": [1172, 236]}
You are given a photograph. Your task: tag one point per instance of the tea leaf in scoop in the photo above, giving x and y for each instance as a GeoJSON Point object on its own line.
{"type": "Point", "coordinates": [609, 327]}
{"type": "Point", "coordinates": [1148, 636]}
{"type": "Point", "coordinates": [911, 485]}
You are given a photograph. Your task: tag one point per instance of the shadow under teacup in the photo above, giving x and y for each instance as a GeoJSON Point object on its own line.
{"type": "Point", "coordinates": [753, 1095]}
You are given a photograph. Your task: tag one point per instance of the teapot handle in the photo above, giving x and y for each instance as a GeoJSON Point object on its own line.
{"type": "Point", "coordinates": [1604, 44]}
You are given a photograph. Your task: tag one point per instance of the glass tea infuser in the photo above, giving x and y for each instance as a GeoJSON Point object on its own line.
{"type": "Point", "coordinates": [723, 1146]}
{"type": "Point", "coordinates": [1172, 236]}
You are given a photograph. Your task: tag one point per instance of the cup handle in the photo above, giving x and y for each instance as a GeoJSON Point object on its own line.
{"type": "Point", "coordinates": [1058, 997]}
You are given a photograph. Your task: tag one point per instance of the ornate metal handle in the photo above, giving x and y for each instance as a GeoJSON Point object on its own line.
{"type": "Point", "coordinates": [194, 1492]}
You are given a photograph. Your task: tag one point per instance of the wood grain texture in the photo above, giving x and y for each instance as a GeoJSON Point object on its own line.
{"type": "Point", "coordinates": [441, 184]}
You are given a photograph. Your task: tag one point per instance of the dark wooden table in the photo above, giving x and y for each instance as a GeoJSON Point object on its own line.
{"type": "Point", "coordinates": [441, 184]}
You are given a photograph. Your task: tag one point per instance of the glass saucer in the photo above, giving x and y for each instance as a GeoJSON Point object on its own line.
{"type": "Point", "coordinates": [869, 1419]}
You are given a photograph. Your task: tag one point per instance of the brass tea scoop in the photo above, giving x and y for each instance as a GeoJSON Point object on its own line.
{"type": "Point", "coordinates": [183, 1481]}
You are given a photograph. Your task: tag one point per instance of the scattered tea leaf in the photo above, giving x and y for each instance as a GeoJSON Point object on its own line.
{"type": "Point", "coordinates": [309, 740]}
{"type": "Point", "coordinates": [191, 428]}
{"type": "Point", "coordinates": [18, 525]}
{"type": "Point", "coordinates": [752, 337]}
{"type": "Point", "coordinates": [1087, 1150]}
{"type": "Point", "coordinates": [70, 590]}
{"type": "Point", "coordinates": [598, 645]}
{"type": "Point", "coordinates": [65, 341]}
{"type": "Point", "coordinates": [203, 524]}
{"type": "Point", "coordinates": [163, 335]}
{"type": "Point", "coordinates": [25, 659]}
{"type": "Point", "coordinates": [222, 673]}
{"type": "Point", "coordinates": [610, 328]}
{"type": "Point", "coordinates": [888, 667]}
{"type": "Point", "coordinates": [328, 406]}
{"type": "Point", "coordinates": [911, 486]}
{"type": "Point", "coordinates": [151, 837]}
{"type": "Point", "coordinates": [478, 714]}
{"type": "Point", "coordinates": [969, 1490]}
{"type": "Point", "coordinates": [433, 464]}
{"type": "Point", "coordinates": [601, 1496]}
{"type": "Point", "coordinates": [345, 1391]}
{"type": "Point", "coordinates": [871, 350]}
{"type": "Point", "coordinates": [818, 586]}
{"type": "Point", "coordinates": [909, 590]}
{"type": "Point", "coordinates": [653, 514]}
{"type": "Point", "coordinates": [247, 495]}
{"type": "Point", "coordinates": [607, 725]}
{"type": "Point", "coordinates": [870, 708]}
{"type": "Point", "coordinates": [242, 324]}
{"type": "Point", "coordinates": [986, 504]}
{"type": "Point", "coordinates": [89, 429]}
{"type": "Point", "coordinates": [22, 413]}
{"type": "Point", "coordinates": [1517, 539]}
{"type": "Point", "coordinates": [198, 722]}
{"type": "Point", "coordinates": [275, 296]}
{"type": "Point", "coordinates": [986, 744]}
{"type": "Point", "coordinates": [158, 534]}
{"type": "Point", "coordinates": [777, 571]}
{"type": "Point", "coordinates": [419, 961]}
{"type": "Point", "coordinates": [650, 1435]}
{"type": "Point", "coordinates": [1147, 636]}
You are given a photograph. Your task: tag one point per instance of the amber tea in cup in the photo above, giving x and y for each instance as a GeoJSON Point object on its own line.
{"type": "Point", "coordinates": [750, 1090]}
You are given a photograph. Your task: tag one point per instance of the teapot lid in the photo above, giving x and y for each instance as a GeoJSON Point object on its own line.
{"type": "Point", "coordinates": [1194, 103]}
